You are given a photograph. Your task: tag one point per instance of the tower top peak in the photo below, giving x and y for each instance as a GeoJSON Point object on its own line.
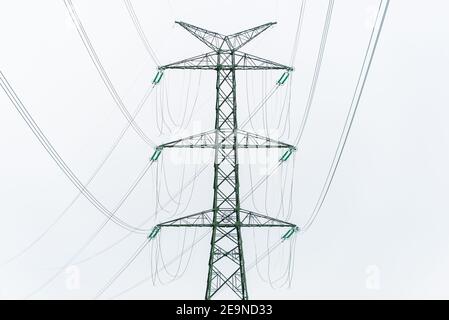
{"type": "Point", "coordinates": [219, 42]}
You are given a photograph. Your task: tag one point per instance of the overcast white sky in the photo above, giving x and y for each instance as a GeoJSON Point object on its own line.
{"type": "Point", "coordinates": [382, 232]}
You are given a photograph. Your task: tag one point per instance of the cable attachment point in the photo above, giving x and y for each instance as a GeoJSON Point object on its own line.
{"type": "Point", "coordinates": [158, 77]}
{"type": "Point", "coordinates": [287, 155]}
{"type": "Point", "coordinates": [283, 78]}
{"type": "Point", "coordinates": [154, 232]}
{"type": "Point", "coordinates": [156, 154]}
{"type": "Point", "coordinates": [289, 233]}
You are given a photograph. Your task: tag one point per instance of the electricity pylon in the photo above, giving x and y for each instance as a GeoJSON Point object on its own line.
{"type": "Point", "coordinates": [226, 217]}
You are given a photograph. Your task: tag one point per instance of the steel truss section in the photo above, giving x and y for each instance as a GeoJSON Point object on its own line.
{"type": "Point", "coordinates": [209, 61]}
{"type": "Point", "coordinates": [219, 42]}
{"type": "Point", "coordinates": [248, 219]}
{"type": "Point", "coordinates": [225, 140]}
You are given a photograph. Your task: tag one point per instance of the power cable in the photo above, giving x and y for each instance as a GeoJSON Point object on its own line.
{"type": "Point", "coordinates": [15, 100]}
{"type": "Point", "coordinates": [94, 235]}
{"type": "Point", "coordinates": [369, 54]}
{"type": "Point", "coordinates": [89, 181]}
{"type": "Point", "coordinates": [141, 33]}
{"type": "Point", "coordinates": [102, 72]}
{"type": "Point", "coordinates": [316, 72]}
{"type": "Point", "coordinates": [139, 283]}
{"type": "Point", "coordinates": [298, 32]}
{"type": "Point", "coordinates": [122, 269]}
{"type": "Point", "coordinates": [117, 242]}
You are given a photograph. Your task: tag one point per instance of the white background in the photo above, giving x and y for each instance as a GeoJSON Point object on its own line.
{"type": "Point", "coordinates": [382, 232]}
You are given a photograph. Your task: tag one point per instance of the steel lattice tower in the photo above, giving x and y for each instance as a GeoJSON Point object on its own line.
{"type": "Point", "coordinates": [226, 217]}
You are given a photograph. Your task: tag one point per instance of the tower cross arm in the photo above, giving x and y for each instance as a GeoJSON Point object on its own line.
{"type": "Point", "coordinates": [246, 61]}
{"type": "Point", "coordinates": [206, 61]}
{"type": "Point", "coordinates": [227, 139]}
{"type": "Point", "coordinates": [242, 61]}
{"type": "Point", "coordinates": [248, 219]}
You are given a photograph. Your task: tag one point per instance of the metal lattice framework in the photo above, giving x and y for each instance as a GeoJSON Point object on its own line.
{"type": "Point", "coordinates": [224, 139]}
{"type": "Point", "coordinates": [226, 218]}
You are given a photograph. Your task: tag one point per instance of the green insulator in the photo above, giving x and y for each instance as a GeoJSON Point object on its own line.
{"type": "Point", "coordinates": [286, 155]}
{"type": "Point", "coordinates": [283, 78]}
{"type": "Point", "coordinates": [290, 233]}
{"type": "Point", "coordinates": [158, 77]}
{"type": "Point", "coordinates": [156, 154]}
{"type": "Point", "coordinates": [154, 232]}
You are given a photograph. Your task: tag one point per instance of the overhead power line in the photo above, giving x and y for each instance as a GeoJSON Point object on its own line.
{"type": "Point", "coordinates": [316, 73]}
{"type": "Point", "coordinates": [123, 268]}
{"type": "Point", "coordinates": [368, 59]}
{"type": "Point", "coordinates": [298, 32]}
{"type": "Point", "coordinates": [141, 33]}
{"type": "Point", "coordinates": [173, 260]}
{"type": "Point", "coordinates": [26, 116]}
{"type": "Point", "coordinates": [88, 182]}
{"type": "Point", "coordinates": [95, 234]}
{"type": "Point", "coordinates": [103, 74]}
